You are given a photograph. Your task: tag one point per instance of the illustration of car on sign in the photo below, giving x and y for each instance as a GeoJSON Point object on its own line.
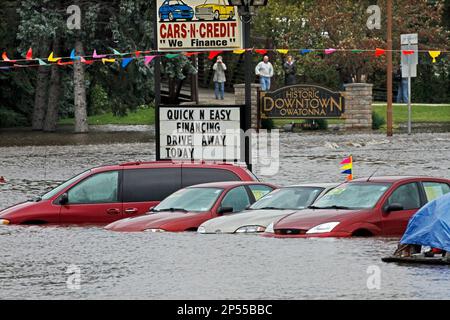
{"type": "Point", "coordinates": [174, 10]}
{"type": "Point", "coordinates": [215, 10]}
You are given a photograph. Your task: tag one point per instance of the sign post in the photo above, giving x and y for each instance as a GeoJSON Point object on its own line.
{"type": "Point", "coordinates": [409, 42]}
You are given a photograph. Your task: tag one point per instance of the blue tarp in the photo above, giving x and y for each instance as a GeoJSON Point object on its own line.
{"type": "Point", "coordinates": [430, 226]}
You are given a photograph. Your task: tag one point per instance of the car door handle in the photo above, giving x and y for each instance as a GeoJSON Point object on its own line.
{"type": "Point", "coordinates": [131, 210]}
{"type": "Point", "coordinates": [113, 211]}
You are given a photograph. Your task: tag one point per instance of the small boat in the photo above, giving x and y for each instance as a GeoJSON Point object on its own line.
{"type": "Point", "coordinates": [429, 227]}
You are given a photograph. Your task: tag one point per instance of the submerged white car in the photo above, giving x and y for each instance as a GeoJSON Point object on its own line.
{"type": "Point", "coordinates": [276, 205]}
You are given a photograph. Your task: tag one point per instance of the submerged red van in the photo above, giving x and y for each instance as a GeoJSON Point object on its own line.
{"type": "Point", "coordinates": [106, 194]}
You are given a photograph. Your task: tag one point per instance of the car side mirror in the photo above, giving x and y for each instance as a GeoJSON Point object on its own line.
{"type": "Point", "coordinates": [64, 199]}
{"type": "Point", "coordinates": [393, 207]}
{"type": "Point", "coordinates": [225, 210]}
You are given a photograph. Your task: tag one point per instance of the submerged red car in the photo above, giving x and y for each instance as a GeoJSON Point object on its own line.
{"type": "Point", "coordinates": [106, 194]}
{"type": "Point", "coordinates": [187, 209]}
{"type": "Point", "coordinates": [380, 206]}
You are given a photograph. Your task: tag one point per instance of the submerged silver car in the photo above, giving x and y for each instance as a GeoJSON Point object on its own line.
{"type": "Point", "coordinates": [276, 205]}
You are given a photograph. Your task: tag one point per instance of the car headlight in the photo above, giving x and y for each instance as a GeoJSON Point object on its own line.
{"type": "Point", "coordinates": [177, 10]}
{"type": "Point", "coordinates": [323, 228]}
{"type": "Point", "coordinates": [270, 229]}
{"type": "Point", "coordinates": [155, 230]}
{"type": "Point", "coordinates": [4, 222]}
{"type": "Point", "coordinates": [250, 229]}
{"type": "Point", "coordinates": [201, 230]}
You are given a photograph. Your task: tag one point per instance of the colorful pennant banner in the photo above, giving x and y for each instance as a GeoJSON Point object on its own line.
{"type": "Point", "coordinates": [347, 168]}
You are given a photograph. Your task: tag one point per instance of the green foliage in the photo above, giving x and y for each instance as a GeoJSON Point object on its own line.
{"type": "Point", "coordinates": [377, 121]}
{"type": "Point", "coordinates": [99, 101]}
{"type": "Point", "coordinates": [9, 119]}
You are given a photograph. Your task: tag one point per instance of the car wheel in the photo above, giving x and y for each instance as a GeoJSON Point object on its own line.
{"type": "Point", "coordinates": [216, 15]}
{"type": "Point", "coordinates": [171, 18]}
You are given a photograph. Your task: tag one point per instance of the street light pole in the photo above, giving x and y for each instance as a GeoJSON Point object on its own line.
{"type": "Point", "coordinates": [389, 69]}
{"type": "Point", "coordinates": [248, 90]}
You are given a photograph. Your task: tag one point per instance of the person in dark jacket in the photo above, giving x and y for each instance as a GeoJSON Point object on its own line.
{"type": "Point", "coordinates": [290, 71]}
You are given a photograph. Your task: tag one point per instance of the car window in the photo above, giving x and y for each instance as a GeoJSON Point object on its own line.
{"type": "Point", "coordinates": [143, 185]}
{"type": "Point", "coordinates": [237, 199]}
{"type": "Point", "coordinates": [288, 198]}
{"type": "Point", "coordinates": [259, 191]}
{"type": "Point", "coordinates": [193, 176]}
{"type": "Point", "coordinates": [191, 199]}
{"type": "Point", "coordinates": [100, 188]}
{"type": "Point", "coordinates": [407, 195]}
{"type": "Point", "coordinates": [435, 190]}
{"type": "Point", "coordinates": [63, 186]}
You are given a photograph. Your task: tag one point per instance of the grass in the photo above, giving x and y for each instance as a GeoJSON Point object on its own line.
{"type": "Point", "coordinates": [439, 113]}
{"type": "Point", "coordinates": [420, 113]}
{"type": "Point", "coordinates": [139, 117]}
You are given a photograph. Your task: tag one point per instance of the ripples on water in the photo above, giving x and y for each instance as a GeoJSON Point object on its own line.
{"type": "Point", "coordinates": [190, 266]}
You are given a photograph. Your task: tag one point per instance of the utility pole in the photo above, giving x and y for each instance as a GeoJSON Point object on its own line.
{"type": "Point", "coordinates": [389, 116]}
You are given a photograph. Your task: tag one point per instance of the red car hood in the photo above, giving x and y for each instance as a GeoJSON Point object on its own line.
{"type": "Point", "coordinates": [307, 219]}
{"type": "Point", "coordinates": [15, 209]}
{"type": "Point", "coordinates": [149, 221]}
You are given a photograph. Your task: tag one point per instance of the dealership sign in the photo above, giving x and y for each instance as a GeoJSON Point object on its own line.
{"type": "Point", "coordinates": [191, 25]}
{"type": "Point", "coordinates": [199, 133]}
{"type": "Point", "coordinates": [301, 102]}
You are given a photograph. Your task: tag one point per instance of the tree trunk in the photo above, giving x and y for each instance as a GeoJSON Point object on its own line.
{"type": "Point", "coordinates": [81, 123]}
{"type": "Point", "coordinates": [40, 98]}
{"type": "Point", "coordinates": [51, 117]}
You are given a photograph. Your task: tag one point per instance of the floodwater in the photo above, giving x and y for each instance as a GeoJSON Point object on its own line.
{"type": "Point", "coordinates": [34, 260]}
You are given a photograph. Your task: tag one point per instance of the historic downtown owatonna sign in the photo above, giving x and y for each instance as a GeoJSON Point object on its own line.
{"type": "Point", "coordinates": [301, 102]}
{"type": "Point", "coordinates": [191, 25]}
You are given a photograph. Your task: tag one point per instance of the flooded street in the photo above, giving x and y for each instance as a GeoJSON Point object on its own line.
{"type": "Point", "coordinates": [34, 260]}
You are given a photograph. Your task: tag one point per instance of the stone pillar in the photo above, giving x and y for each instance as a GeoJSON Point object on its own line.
{"type": "Point", "coordinates": [358, 106]}
{"type": "Point", "coordinates": [239, 95]}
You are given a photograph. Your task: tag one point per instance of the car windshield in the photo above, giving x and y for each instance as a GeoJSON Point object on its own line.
{"type": "Point", "coordinates": [190, 199]}
{"type": "Point", "coordinates": [352, 196]}
{"type": "Point", "coordinates": [288, 198]}
{"type": "Point", "coordinates": [61, 187]}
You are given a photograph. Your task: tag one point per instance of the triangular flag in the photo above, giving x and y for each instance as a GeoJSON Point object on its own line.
{"type": "Point", "coordinates": [171, 55]}
{"type": "Point", "coordinates": [29, 55]}
{"type": "Point", "coordinates": [214, 54]}
{"type": "Point", "coordinates": [82, 59]}
{"type": "Point", "coordinates": [61, 63]}
{"type": "Point", "coordinates": [434, 55]}
{"type": "Point", "coordinates": [283, 51]}
{"type": "Point", "coordinates": [51, 58]}
{"type": "Point", "coordinates": [126, 62]}
{"type": "Point", "coordinates": [379, 52]}
{"type": "Point", "coordinates": [330, 51]}
{"type": "Point", "coordinates": [239, 51]}
{"type": "Point", "coordinates": [97, 56]}
{"type": "Point", "coordinates": [88, 62]}
{"type": "Point", "coordinates": [137, 54]}
{"type": "Point", "coordinates": [350, 177]}
{"type": "Point", "coordinates": [73, 55]}
{"type": "Point", "coordinates": [347, 166]}
{"type": "Point", "coordinates": [305, 51]}
{"type": "Point", "coordinates": [347, 160]}
{"type": "Point", "coordinates": [108, 60]}
{"type": "Point", "coordinates": [347, 172]}
{"type": "Point", "coordinates": [5, 58]}
{"type": "Point", "coordinates": [118, 53]}
{"type": "Point", "coordinates": [42, 63]}
{"type": "Point", "coordinates": [148, 59]}
{"type": "Point", "coordinates": [356, 51]}
{"type": "Point", "coordinates": [261, 51]}
{"type": "Point", "coordinates": [408, 52]}
{"type": "Point", "coordinates": [190, 54]}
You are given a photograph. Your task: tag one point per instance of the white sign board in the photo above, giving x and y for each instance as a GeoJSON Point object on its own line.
{"type": "Point", "coordinates": [194, 25]}
{"type": "Point", "coordinates": [200, 133]}
{"type": "Point", "coordinates": [409, 62]}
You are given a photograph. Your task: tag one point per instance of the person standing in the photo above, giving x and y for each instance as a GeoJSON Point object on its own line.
{"type": "Point", "coordinates": [402, 95]}
{"type": "Point", "coordinates": [290, 72]}
{"type": "Point", "coordinates": [264, 70]}
{"type": "Point", "coordinates": [219, 78]}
